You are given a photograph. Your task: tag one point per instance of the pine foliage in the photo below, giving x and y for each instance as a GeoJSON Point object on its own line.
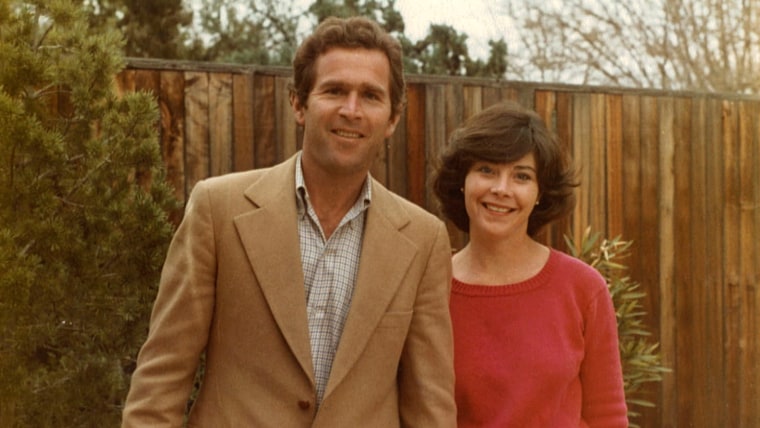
{"type": "Point", "coordinates": [83, 218]}
{"type": "Point", "coordinates": [639, 355]}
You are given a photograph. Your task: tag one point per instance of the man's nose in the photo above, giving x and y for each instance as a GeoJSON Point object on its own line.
{"type": "Point", "coordinates": [351, 106]}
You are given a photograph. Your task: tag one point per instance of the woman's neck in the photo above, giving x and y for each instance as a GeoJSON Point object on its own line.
{"type": "Point", "coordinates": [499, 262]}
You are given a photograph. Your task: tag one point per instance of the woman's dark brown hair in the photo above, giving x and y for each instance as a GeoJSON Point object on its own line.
{"type": "Point", "coordinates": [504, 133]}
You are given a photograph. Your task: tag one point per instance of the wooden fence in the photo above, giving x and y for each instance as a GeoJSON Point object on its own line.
{"type": "Point", "coordinates": [677, 173]}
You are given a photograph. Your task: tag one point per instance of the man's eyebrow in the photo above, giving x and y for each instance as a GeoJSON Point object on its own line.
{"type": "Point", "coordinates": [363, 86]}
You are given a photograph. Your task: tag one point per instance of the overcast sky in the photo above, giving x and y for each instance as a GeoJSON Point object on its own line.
{"type": "Point", "coordinates": [479, 19]}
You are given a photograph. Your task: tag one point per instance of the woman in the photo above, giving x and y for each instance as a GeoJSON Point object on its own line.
{"type": "Point", "coordinates": [535, 334]}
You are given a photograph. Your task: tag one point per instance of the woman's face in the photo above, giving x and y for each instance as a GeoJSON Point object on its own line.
{"type": "Point", "coordinates": [499, 197]}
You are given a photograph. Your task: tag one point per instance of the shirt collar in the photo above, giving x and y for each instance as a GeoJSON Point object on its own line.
{"type": "Point", "coordinates": [302, 194]}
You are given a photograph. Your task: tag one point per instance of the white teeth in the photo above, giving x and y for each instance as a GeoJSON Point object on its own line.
{"type": "Point", "coordinates": [497, 209]}
{"type": "Point", "coordinates": [348, 134]}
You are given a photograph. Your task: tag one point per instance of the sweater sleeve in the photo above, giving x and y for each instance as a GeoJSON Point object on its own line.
{"type": "Point", "coordinates": [601, 372]}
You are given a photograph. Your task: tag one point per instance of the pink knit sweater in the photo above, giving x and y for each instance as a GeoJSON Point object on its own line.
{"type": "Point", "coordinates": [539, 353]}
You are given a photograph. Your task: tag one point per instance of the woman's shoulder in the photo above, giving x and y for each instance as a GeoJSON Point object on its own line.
{"type": "Point", "coordinates": [576, 271]}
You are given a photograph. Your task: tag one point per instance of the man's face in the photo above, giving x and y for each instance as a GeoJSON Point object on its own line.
{"type": "Point", "coordinates": [347, 116]}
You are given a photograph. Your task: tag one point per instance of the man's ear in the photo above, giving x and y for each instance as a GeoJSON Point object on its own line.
{"type": "Point", "coordinates": [392, 123]}
{"type": "Point", "coordinates": [298, 109]}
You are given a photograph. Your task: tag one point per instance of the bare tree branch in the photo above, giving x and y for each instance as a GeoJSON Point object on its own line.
{"type": "Point", "coordinates": [706, 45]}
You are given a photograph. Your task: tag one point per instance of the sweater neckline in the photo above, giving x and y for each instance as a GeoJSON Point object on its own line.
{"type": "Point", "coordinates": [537, 280]}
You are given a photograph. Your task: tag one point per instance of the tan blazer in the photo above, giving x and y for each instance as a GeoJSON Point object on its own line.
{"type": "Point", "coordinates": [233, 285]}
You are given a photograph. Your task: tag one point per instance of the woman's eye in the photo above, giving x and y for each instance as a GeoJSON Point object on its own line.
{"type": "Point", "coordinates": [526, 177]}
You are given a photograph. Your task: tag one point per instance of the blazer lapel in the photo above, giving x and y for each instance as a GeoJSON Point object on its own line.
{"type": "Point", "coordinates": [386, 255]}
{"type": "Point", "coordinates": [270, 237]}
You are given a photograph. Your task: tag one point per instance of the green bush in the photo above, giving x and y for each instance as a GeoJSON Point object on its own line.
{"type": "Point", "coordinates": [83, 219]}
{"type": "Point", "coordinates": [639, 355]}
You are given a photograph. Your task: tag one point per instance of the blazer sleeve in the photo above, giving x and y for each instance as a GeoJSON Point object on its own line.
{"type": "Point", "coordinates": [426, 377]}
{"type": "Point", "coordinates": [179, 324]}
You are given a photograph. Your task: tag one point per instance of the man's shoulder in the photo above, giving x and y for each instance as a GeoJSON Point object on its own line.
{"type": "Point", "coordinates": [233, 178]}
{"type": "Point", "coordinates": [243, 179]}
{"type": "Point", "coordinates": [394, 201]}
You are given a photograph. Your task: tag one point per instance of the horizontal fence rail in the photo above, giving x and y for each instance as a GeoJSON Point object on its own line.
{"type": "Point", "coordinates": [676, 173]}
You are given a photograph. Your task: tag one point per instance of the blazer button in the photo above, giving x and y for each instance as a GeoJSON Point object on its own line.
{"type": "Point", "coordinates": [304, 404]}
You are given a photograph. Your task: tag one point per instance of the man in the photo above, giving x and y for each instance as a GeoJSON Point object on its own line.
{"type": "Point", "coordinates": [320, 298]}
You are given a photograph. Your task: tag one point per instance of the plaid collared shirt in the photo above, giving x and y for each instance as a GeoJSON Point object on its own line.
{"type": "Point", "coordinates": [330, 268]}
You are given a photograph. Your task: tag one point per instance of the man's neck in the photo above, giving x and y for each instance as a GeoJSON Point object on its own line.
{"type": "Point", "coordinates": [332, 197]}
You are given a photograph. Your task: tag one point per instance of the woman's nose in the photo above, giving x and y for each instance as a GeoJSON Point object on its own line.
{"type": "Point", "coordinates": [501, 186]}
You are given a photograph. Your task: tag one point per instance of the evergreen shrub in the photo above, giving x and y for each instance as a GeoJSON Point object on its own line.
{"type": "Point", "coordinates": [83, 218]}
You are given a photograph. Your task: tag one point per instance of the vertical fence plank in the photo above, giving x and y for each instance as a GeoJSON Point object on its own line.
{"type": "Point", "coordinates": [754, 276]}
{"type": "Point", "coordinates": [473, 100]}
{"type": "Point", "coordinates": [435, 135]}
{"type": "Point", "coordinates": [633, 197]}
{"type": "Point", "coordinates": [680, 299]}
{"type": "Point", "coordinates": [125, 81]}
{"type": "Point", "coordinates": [650, 248]}
{"type": "Point", "coordinates": [491, 95]}
{"type": "Point", "coordinates": [147, 81]}
{"type": "Point", "coordinates": [415, 137]}
{"type": "Point", "coordinates": [666, 185]}
{"type": "Point", "coordinates": [196, 128]}
{"type": "Point", "coordinates": [545, 105]}
{"type": "Point", "coordinates": [630, 189]}
{"type": "Point", "coordinates": [614, 164]}
{"type": "Point", "coordinates": [285, 122]}
{"type": "Point", "coordinates": [714, 284]}
{"type": "Point", "coordinates": [220, 123]}
{"type": "Point", "coordinates": [472, 103]}
{"type": "Point", "coordinates": [379, 167]}
{"type": "Point", "coordinates": [649, 274]}
{"type": "Point", "coordinates": [732, 264]}
{"type": "Point", "coordinates": [265, 135]}
{"type": "Point", "coordinates": [563, 127]}
{"type": "Point", "coordinates": [397, 159]}
{"type": "Point", "coordinates": [596, 164]}
{"type": "Point", "coordinates": [171, 101]}
{"type": "Point", "coordinates": [581, 149]}
{"type": "Point", "coordinates": [693, 302]}
{"type": "Point", "coordinates": [526, 96]}
{"type": "Point", "coordinates": [748, 237]}
{"type": "Point", "coordinates": [454, 105]}
{"type": "Point", "coordinates": [242, 122]}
